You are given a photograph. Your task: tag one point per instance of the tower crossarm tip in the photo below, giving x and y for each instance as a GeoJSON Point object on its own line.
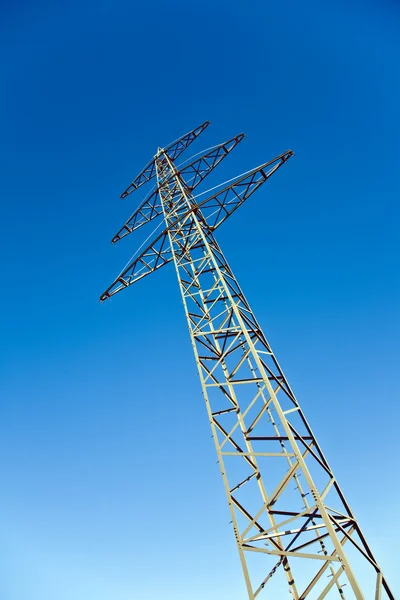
{"type": "Point", "coordinates": [218, 207]}
{"type": "Point", "coordinates": [174, 150]}
{"type": "Point", "coordinates": [194, 173]}
{"type": "Point", "coordinates": [155, 256]}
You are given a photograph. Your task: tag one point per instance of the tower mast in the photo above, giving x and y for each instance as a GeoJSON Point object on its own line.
{"type": "Point", "coordinates": [284, 501]}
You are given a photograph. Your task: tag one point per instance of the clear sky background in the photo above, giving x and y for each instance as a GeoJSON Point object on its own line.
{"type": "Point", "coordinates": [110, 488]}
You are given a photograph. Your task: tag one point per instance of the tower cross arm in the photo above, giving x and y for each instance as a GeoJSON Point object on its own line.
{"type": "Point", "coordinates": [155, 256]}
{"type": "Point", "coordinates": [148, 210]}
{"type": "Point", "coordinates": [174, 150]}
{"type": "Point", "coordinates": [218, 207]}
{"type": "Point", "coordinates": [193, 173]}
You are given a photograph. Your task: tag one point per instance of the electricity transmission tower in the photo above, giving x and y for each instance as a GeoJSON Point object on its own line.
{"type": "Point", "coordinates": [294, 529]}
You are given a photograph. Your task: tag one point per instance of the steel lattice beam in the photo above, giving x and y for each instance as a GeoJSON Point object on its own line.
{"type": "Point", "coordinates": [174, 150]}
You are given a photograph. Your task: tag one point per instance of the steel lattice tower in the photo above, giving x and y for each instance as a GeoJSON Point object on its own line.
{"type": "Point", "coordinates": [285, 504]}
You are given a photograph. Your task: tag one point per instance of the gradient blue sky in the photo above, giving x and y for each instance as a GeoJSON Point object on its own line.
{"type": "Point", "coordinates": [97, 401]}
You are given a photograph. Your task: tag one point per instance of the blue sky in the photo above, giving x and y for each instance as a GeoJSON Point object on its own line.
{"type": "Point", "coordinates": [97, 401]}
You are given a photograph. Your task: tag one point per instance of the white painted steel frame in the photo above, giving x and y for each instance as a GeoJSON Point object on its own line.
{"type": "Point", "coordinates": [222, 325]}
{"type": "Point", "coordinates": [284, 500]}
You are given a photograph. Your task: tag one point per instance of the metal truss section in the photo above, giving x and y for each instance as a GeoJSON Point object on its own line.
{"type": "Point", "coordinates": [194, 173]}
{"type": "Point", "coordinates": [148, 210]}
{"type": "Point", "coordinates": [217, 208]}
{"type": "Point", "coordinates": [293, 527]}
{"type": "Point", "coordinates": [174, 150]}
{"type": "Point", "coordinates": [156, 255]}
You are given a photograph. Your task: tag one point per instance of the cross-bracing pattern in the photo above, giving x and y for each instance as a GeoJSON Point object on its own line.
{"type": "Point", "coordinates": [194, 173]}
{"type": "Point", "coordinates": [174, 150]}
{"type": "Point", "coordinates": [286, 506]}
